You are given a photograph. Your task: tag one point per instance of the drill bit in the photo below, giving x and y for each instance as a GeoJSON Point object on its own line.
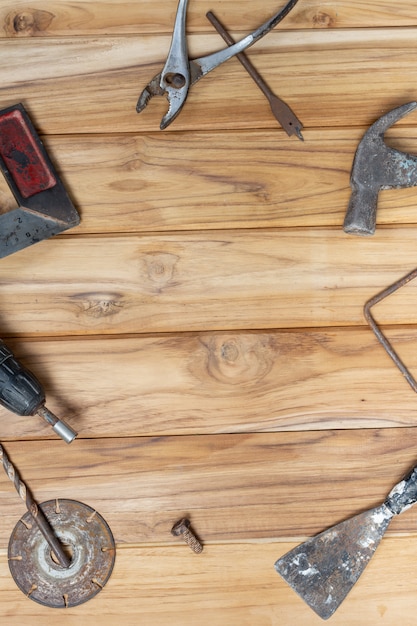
{"type": "Point", "coordinates": [281, 111]}
{"type": "Point", "coordinates": [34, 510]}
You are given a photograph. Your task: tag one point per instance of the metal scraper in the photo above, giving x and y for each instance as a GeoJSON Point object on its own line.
{"type": "Point", "coordinates": [323, 569]}
{"type": "Point", "coordinates": [44, 207]}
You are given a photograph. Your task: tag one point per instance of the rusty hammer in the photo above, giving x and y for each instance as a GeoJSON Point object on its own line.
{"type": "Point", "coordinates": [376, 167]}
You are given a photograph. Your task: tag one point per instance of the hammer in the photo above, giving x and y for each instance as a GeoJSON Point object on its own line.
{"type": "Point", "coordinates": [376, 167]}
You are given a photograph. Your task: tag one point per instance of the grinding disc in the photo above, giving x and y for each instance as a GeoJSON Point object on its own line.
{"type": "Point", "coordinates": [88, 541]}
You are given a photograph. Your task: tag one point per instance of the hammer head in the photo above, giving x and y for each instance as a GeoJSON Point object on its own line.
{"type": "Point", "coordinates": [376, 167]}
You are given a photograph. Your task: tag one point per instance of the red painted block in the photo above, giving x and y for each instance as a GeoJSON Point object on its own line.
{"type": "Point", "coordinates": [22, 155]}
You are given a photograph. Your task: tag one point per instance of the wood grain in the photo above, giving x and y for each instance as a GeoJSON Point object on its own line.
{"type": "Point", "coordinates": [202, 328]}
{"type": "Point", "coordinates": [205, 281]}
{"type": "Point", "coordinates": [227, 585]}
{"type": "Point", "coordinates": [210, 180]}
{"type": "Point", "coordinates": [58, 17]}
{"type": "Point", "coordinates": [230, 382]}
{"type": "Point", "coordinates": [240, 487]}
{"type": "Point", "coordinates": [214, 180]}
{"type": "Point", "coordinates": [360, 74]}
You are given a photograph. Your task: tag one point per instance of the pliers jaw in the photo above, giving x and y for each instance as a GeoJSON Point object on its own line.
{"type": "Point", "coordinates": [174, 80]}
{"type": "Point", "coordinates": [152, 89]}
{"type": "Point", "coordinates": [174, 86]}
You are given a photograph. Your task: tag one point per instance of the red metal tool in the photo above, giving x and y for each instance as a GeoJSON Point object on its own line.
{"type": "Point", "coordinates": [44, 207]}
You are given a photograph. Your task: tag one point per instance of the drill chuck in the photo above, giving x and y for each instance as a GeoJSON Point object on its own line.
{"type": "Point", "coordinates": [22, 393]}
{"type": "Point", "coordinates": [60, 427]}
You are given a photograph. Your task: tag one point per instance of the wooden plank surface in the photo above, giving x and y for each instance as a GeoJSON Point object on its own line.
{"type": "Point", "coordinates": [214, 180]}
{"type": "Point", "coordinates": [253, 279]}
{"type": "Point", "coordinates": [354, 68]}
{"type": "Point", "coordinates": [227, 585]}
{"type": "Point", "coordinates": [113, 180]}
{"type": "Point", "coordinates": [25, 18]}
{"type": "Point", "coordinates": [222, 382]}
{"type": "Point", "coordinates": [203, 327]}
{"type": "Point", "coordinates": [240, 487]}
{"type": "Point", "coordinates": [157, 480]}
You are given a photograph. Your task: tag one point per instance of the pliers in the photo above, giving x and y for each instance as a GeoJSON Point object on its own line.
{"type": "Point", "coordinates": [180, 73]}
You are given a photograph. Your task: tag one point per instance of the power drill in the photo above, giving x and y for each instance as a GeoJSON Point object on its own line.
{"type": "Point", "coordinates": [22, 393]}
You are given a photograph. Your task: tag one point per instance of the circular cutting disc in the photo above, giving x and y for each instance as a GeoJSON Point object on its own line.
{"type": "Point", "coordinates": [88, 541]}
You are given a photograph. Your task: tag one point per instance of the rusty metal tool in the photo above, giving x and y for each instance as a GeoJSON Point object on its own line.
{"type": "Point", "coordinates": [22, 393]}
{"type": "Point", "coordinates": [44, 207]}
{"type": "Point", "coordinates": [180, 73]}
{"type": "Point", "coordinates": [378, 332]}
{"type": "Point", "coordinates": [280, 109]}
{"type": "Point", "coordinates": [182, 529]}
{"type": "Point", "coordinates": [377, 166]}
{"type": "Point", "coordinates": [34, 510]}
{"type": "Point", "coordinates": [323, 569]}
{"type": "Point", "coordinates": [66, 557]}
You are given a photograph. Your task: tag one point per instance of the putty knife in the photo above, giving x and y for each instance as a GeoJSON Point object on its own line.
{"type": "Point", "coordinates": [324, 569]}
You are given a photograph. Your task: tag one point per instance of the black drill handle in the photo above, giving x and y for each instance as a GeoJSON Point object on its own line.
{"type": "Point", "coordinates": [20, 390]}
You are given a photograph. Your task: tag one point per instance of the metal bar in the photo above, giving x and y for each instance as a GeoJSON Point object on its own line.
{"type": "Point", "coordinates": [280, 109]}
{"type": "Point", "coordinates": [378, 332]}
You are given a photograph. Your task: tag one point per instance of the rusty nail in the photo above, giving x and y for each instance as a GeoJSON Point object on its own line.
{"type": "Point", "coordinates": [183, 529]}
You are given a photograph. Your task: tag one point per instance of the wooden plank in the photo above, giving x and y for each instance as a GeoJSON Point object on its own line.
{"type": "Point", "coordinates": [205, 281]}
{"type": "Point", "coordinates": [210, 383]}
{"type": "Point", "coordinates": [330, 78]}
{"type": "Point", "coordinates": [233, 487]}
{"type": "Point", "coordinates": [227, 585]}
{"type": "Point", "coordinates": [81, 17]}
{"type": "Point", "coordinates": [170, 351]}
{"type": "Point", "coordinates": [212, 180]}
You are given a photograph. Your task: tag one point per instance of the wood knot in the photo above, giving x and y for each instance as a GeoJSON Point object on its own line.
{"type": "Point", "coordinates": [27, 23]}
{"type": "Point", "coordinates": [159, 269]}
{"type": "Point", "coordinates": [100, 305]}
{"type": "Point", "coordinates": [240, 359]}
{"type": "Point", "coordinates": [230, 351]}
{"type": "Point", "coordinates": [321, 19]}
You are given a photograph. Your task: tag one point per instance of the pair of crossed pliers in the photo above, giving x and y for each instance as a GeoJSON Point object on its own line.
{"type": "Point", "coordinates": [180, 73]}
